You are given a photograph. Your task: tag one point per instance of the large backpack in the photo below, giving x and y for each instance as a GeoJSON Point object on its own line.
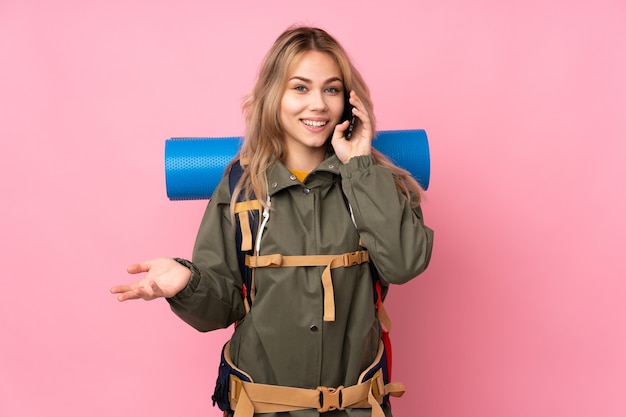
{"type": "Point", "coordinates": [248, 214]}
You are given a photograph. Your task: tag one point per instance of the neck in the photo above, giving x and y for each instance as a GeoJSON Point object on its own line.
{"type": "Point", "coordinates": [305, 161]}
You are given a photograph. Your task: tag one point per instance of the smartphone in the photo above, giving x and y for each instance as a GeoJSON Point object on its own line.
{"type": "Point", "coordinates": [348, 115]}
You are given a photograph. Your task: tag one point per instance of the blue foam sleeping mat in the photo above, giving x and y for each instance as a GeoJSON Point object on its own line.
{"type": "Point", "coordinates": [195, 166]}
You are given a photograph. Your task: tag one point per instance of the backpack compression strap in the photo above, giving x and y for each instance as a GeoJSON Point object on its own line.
{"type": "Point", "coordinates": [329, 261]}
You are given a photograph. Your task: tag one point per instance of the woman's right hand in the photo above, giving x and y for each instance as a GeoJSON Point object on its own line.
{"type": "Point", "coordinates": [164, 278]}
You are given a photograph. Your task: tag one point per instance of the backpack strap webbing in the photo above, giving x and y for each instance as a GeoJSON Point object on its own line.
{"type": "Point", "coordinates": [247, 214]}
{"type": "Point", "coordinates": [242, 210]}
{"type": "Point", "coordinates": [248, 398]}
{"type": "Point", "coordinates": [329, 261]}
{"type": "Point", "coordinates": [253, 398]}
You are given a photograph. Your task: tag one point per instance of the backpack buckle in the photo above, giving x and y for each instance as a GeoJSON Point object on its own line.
{"type": "Point", "coordinates": [355, 258]}
{"type": "Point", "coordinates": [330, 399]}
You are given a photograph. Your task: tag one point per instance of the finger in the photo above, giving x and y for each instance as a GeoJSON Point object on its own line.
{"type": "Point", "coordinates": [350, 93]}
{"type": "Point", "coordinates": [353, 98]}
{"type": "Point", "coordinates": [340, 129]}
{"type": "Point", "coordinates": [133, 292]}
{"type": "Point", "coordinates": [118, 289]}
{"type": "Point", "coordinates": [143, 292]}
{"type": "Point", "coordinates": [138, 268]}
{"type": "Point", "coordinates": [358, 106]}
{"type": "Point", "coordinates": [363, 116]}
{"type": "Point", "coordinates": [128, 295]}
{"type": "Point", "coordinates": [356, 101]}
{"type": "Point", "coordinates": [363, 130]}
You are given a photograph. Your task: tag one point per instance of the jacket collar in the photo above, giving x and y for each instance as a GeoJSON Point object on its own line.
{"type": "Point", "coordinates": [279, 177]}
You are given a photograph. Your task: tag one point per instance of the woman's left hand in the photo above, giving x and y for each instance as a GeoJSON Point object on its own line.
{"type": "Point", "coordinates": [361, 141]}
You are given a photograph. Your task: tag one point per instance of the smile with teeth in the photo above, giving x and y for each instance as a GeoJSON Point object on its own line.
{"type": "Point", "coordinates": [314, 123]}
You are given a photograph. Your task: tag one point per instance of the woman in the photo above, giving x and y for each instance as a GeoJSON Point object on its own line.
{"type": "Point", "coordinates": [310, 326]}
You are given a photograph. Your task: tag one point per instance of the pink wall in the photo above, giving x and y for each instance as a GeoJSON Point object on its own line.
{"type": "Point", "coordinates": [522, 311]}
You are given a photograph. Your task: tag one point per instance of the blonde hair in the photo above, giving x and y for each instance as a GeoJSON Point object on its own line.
{"type": "Point", "coordinates": [263, 139]}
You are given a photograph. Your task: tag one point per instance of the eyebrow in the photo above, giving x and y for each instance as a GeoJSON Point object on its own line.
{"type": "Point", "coordinates": [306, 80]}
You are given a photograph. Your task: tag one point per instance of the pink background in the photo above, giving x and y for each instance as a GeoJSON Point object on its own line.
{"type": "Point", "coordinates": [522, 311]}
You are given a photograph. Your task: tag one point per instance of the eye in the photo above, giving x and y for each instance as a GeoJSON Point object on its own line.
{"type": "Point", "coordinates": [332, 90]}
{"type": "Point", "coordinates": [300, 88]}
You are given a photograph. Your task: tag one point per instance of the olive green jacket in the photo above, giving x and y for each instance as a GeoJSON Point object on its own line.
{"type": "Point", "coordinates": [283, 340]}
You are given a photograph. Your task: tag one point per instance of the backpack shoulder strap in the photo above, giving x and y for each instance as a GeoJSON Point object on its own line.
{"type": "Point", "coordinates": [247, 222]}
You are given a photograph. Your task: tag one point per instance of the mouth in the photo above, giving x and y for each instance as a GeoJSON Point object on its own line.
{"type": "Point", "coordinates": [314, 123]}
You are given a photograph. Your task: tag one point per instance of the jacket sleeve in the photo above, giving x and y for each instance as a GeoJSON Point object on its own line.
{"type": "Point", "coordinates": [399, 243]}
{"type": "Point", "coordinates": [212, 299]}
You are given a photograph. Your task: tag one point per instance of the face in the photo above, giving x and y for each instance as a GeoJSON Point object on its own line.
{"type": "Point", "coordinates": [312, 104]}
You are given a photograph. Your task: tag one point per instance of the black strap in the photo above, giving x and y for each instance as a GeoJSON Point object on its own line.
{"type": "Point", "coordinates": [234, 176]}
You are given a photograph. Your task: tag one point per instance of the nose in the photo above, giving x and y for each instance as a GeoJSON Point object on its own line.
{"type": "Point", "coordinates": [317, 101]}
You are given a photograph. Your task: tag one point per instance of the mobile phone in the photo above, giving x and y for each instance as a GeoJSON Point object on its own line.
{"type": "Point", "coordinates": [348, 115]}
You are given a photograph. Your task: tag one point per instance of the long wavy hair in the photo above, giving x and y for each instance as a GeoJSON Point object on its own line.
{"type": "Point", "coordinates": [263, 142]}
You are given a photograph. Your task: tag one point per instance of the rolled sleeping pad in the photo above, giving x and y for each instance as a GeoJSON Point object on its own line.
{"type": "Point", "coordinates": [195, 166]}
